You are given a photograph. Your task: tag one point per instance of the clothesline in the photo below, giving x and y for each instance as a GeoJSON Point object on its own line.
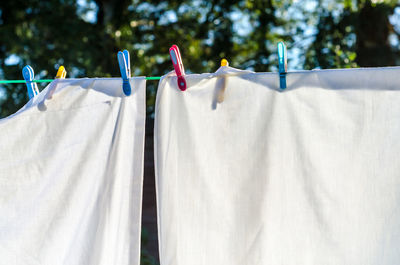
{"type": "Point", "coordinates": [50, 80]}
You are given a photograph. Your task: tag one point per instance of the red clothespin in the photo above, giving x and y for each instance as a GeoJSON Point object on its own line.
{"type": "Point", "coordinates": [178, 65]}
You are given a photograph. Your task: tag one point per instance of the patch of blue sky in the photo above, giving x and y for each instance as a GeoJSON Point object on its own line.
{"type": "Point", "coordinates": [395, 21]}
{"type": "Point", "coordinates": [168, 17]}
{"type": "Point", "coordinates": [87, 10]}
{"type": "Point", "coordinates": [241, 25]}
{"type": "Point", "coordinates": [12, 60]}
{"type": "Point", "coordinates": [3, 94]}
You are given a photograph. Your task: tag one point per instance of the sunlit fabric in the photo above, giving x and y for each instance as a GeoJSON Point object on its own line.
{"type": "Point", "coordinates": [71, 166]}
{"type": "Point", "coordinates": [305, 176]}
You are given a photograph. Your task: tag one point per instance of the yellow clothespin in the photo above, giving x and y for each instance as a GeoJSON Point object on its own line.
{"type": "Point", "coordinates": [61, 73]}
{"type": "Point", "coordinates": [221, 92]}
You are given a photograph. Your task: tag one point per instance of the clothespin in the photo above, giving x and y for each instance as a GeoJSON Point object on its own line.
{"type": "Point", "coordinates": [224, 62]}
{"type": "Point", "coordinates": [61, 73]}
{"type": "Point", "coordinates": [125, 68]}
{"type": "Point", "coordinates": [221, 92]}
{"type": "Point", "coordinates": [178, 66]}
{"type": "Point", "coordinates": [282, 59]}
{"type": "Point", "coordinates": [28, 74]}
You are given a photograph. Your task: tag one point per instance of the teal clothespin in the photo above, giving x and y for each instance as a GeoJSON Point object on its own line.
{"type": "Point", "coordinates": [282, 58]}
{"type": "Point", "coordinates": [28, 74]}
{"type": "Point", "coordinates": [125, 68]}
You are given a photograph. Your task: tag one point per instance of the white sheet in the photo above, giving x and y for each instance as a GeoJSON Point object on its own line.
{"type": "Point", "coordinates": [306, 176]}
{"type": "Point", "coordinates": [71, 170]}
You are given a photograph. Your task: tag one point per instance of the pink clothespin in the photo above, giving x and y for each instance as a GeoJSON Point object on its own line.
{"type": "Point", "coordinates": [178, 65]}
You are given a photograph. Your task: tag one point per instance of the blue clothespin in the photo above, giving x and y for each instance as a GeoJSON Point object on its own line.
{"type": "Point", "coordinates": [28, 74]}
{"type": "Point", "coordinates": [282, 58]}
{"type": "Point", "coordinates": [125, 68]}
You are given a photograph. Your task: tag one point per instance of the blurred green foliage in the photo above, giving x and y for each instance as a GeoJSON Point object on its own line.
{"type": "Point", "coordinates": [146, 258]}
{"type": "Point", "coordinates": [355, 33]}
{"type": "Point", "coordinates": [85, 36]}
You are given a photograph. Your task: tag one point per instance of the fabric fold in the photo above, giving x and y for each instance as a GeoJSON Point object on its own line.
{"type": "Point", "coordinates": [308, 175]}
{"type": "Point", "coordinates": [71, 173]}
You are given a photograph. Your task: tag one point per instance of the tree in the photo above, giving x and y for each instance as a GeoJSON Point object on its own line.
{"type": "Point", "coordinates": [86, 36]}
{"type": "Point", "coordinates": [351, 34]}
{"type": "Point", "coordinates": [46, 34]}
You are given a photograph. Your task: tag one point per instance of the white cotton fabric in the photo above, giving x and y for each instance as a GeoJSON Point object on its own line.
{"type": "Point", "coordinates": [71, 170]}
{"type": "Point", "coordinates": [305, 176]}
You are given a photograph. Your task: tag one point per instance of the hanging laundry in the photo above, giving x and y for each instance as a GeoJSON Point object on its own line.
{"type": "Point", "coordinates": [71, 171]}
{"type": "Point", "coordinates": [309, 175]}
